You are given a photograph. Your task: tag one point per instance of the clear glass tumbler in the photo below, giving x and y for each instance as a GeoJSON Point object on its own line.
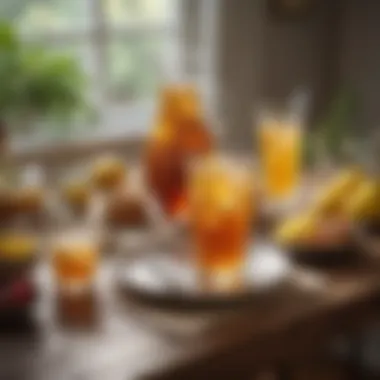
{"type": "Point", "coordinates": [221, 209]}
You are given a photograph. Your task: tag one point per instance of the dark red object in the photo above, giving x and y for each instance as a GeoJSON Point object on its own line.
{"type": "Point", "coordinates": [19, 293]}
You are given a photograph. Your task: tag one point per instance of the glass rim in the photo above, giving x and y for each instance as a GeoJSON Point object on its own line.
{"type": "Point", "coordinates": [287, 120]}
{"type": "Point", "coordinates": [237, 170]}
{"type": "Point", "coordinates": [295, 107]}
{"type": "Point", "coordinates": [82, 237]}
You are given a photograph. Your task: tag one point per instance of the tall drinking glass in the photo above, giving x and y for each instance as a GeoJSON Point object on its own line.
{"type": "Point", "coordinates": [75, 261]}
{"type": "Point", "coordinates": [220, 212]}
{"type": "Point", "coordinates": [280, 153]}
{"type": "Point", "coordinates": [179, 134]}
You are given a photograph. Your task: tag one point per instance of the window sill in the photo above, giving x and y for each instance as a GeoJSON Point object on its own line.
{"type": "Point", "coordinates": [56, 153]}
{"type": "Point", "coordinates": [122, 129]}
{"type": "Point", "coordinates": [116, 137]}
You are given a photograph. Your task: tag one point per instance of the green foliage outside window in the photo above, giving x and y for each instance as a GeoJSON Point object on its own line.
{"type": "Point", "coordinates": [36, 83]}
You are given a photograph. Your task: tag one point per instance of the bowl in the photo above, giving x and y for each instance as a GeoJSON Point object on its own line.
{"type": "Point", "coordinates": [328, 241]}
{"type": "Point", "coordinates": [371, 226]}
{"type": "Point", "coordinates": [324, 255]}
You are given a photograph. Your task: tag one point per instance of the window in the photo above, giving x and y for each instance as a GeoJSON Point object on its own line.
{"type": "Point", "coordinates": [124, 46]}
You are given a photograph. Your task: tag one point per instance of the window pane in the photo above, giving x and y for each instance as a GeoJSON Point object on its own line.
{"type": "Point", "coordinates": [83, 53]}
{"type": "Point", "coordinates": [136, 66]}
{"type": "Point", "coordinates": [34, 16]}
{"type": "Point", "coordinates": [122, 12]}
{"type": "Point", "coordinates": [54, 125]}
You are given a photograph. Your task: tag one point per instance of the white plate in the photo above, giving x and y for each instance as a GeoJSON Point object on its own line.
{"type": "Point", "coordinates": [171, 280]}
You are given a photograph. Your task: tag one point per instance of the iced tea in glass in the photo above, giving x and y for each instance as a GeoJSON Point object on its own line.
{"type": "Point", "coordinates": [220, 211]}
{"type": "Point", "coordinates": [165, 171]}
{"type": "Point", "coordinates": [75, 261]}
{"type": "Point", "coordinates": [180, 134]}
{"type": "Point", "coordinates": [280, 149]}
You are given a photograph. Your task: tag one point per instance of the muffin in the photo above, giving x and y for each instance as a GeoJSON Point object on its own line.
{"type": "Point", "coordinates": [126, 210]}
{"type": "Point", "coordinates": [7, 205]}
{"type": "Point", "coordinates": [29, 201]}
{"type": "Point", "coordinates": [109, 173]}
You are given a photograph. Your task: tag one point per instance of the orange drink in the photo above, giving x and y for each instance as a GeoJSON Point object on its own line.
{"type": "Point", "coordinates": [165, 171]}
{"type": "Point", "coordinates": [280, 149]}
{"type": "Point", "coordinates": [179, 134]}
{"type": "Point", "coordinates": [220, 211]}
{"type": "Point", "coordinates": [75, 260]}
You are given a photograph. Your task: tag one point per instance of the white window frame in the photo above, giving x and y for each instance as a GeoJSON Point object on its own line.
{"type": "Point", "coordinates": [99, 35]}
{"type": "Point", "coordinates": [197, 46]}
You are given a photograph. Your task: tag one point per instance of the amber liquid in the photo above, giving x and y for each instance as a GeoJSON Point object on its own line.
{"type": "Point", "coordinates": [280, 147]}
{"type": "Point", "coordinates": [75, 265]}
{"type": "Point", "coordinates": [179, 135]}
{"type": "Point", "coordinates": [221, 243]}
{"type": "Point", "coordinates": [165, 174]}
{"type": "Point", "coordinates": [221, 209]}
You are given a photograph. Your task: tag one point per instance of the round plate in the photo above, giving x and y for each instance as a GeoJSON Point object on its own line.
{"type": "Point", "coordinates": [171, 280]}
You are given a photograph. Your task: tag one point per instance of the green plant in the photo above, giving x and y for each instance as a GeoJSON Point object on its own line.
{"type": "Point", "coordinates": [337, 127]}
{"type": "Point", "coordinates": [36, 83]}
{"type": "Point", "coordinates": [335, 138]}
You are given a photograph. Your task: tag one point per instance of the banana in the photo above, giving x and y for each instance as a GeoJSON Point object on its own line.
{"type": "Point", "coordinates": [333, 195]}
{"type": "Point", "coordinates": [364, 204]}
{"type": "Point", "coordinates": [296, 229]}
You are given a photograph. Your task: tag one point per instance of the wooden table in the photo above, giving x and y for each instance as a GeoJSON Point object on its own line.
{"type": "Point", "coordinates": [124, 340]}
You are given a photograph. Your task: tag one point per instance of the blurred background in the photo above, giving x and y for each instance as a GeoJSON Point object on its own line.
{"type": "Point", "coordinates": [81, 78]}
{"type": "Point", "coordinates": [104, 60]}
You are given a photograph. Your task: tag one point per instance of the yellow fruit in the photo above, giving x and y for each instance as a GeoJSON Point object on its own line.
{"type": "Point", "coordinates": [17, 247]}
{"type": "Point", "coordinates": [365, 202]}
{"type": "Point", "coordinates": [333, 196]}
{"type": "Point", "coordinates": [297, 229]}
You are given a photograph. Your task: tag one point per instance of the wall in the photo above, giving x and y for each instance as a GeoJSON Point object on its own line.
{"type": "Point", "coordinates": [259, 58]}
{"type": "Point", "coordinates": [339, 45]}
{"type": "Point", "coordinates": [292, 55]}
{"type": "Point", "coordinates": [240, 24]}
{"type": "Point", "coordinates": [360, 57]}
{"type": "Point", "coordinates": [266, 59]}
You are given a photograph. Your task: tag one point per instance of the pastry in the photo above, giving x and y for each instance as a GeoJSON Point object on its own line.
{"type": "Point", "coordinates": [108, 173]}
{"type": "Point", "coordinates": [29, 200]}
{"type": "Point", "coordinates": [7, 205]}
{"type": "Point", "coordinates": [126, 210]}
